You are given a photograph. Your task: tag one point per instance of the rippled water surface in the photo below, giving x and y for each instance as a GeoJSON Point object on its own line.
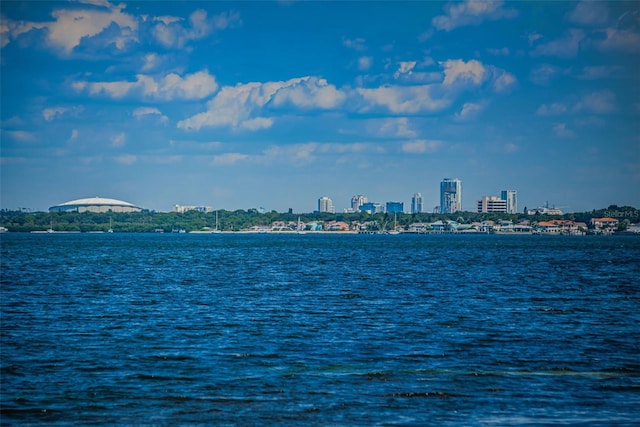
{"type": "Point", "coordinates": [233, 329]}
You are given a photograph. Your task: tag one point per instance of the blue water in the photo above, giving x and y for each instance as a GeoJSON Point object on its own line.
{"type": "Point", "coordinates": [235, 329]}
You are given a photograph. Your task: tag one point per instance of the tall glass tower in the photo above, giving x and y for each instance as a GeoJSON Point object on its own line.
{"type": "Point", "coordinates": [512, 200]}
{"type": "Point", "coordinates": [416, 204]}
{"type": "Point", "coordinates": [450, 195]}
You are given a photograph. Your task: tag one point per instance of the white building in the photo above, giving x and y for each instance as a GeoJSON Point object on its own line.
{"type": "Point", "coordinates": [95, 204]}
{"type": "Point", "coordinates": [417, 205]}
{"type": "Point", "coordinates": [183, 209]}
{"type": "Point", "coordinates": [492, 204]}
{"type": "Point", "coordinates": [357, 201]}
{"type": "Point", "coordinates": [325, 204]}
{"type": "Point", "coordinates": [510, 196]}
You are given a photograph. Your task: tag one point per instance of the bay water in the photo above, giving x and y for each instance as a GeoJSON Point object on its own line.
{"type": "Point", "coordinates": [263, 329]}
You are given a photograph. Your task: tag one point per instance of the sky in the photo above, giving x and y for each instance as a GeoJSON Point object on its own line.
{"type": "Point", "coordinates": [240, 105]}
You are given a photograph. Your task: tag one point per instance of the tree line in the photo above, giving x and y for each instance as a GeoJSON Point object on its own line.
{"type": "Point", "coordinates": [150, 221]}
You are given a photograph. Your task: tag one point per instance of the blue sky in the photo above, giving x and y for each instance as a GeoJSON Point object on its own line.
{"type": "Point", "coordinates": [238, 105]}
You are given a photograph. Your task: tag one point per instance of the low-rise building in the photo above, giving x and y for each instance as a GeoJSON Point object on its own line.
{"type": "Point", "coordinates": [604, 222]}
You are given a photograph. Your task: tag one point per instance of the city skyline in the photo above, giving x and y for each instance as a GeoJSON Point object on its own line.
{"type": "Point", "coordinates": [240, 105]}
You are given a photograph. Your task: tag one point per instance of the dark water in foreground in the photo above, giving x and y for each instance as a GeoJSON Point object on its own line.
{"type": "Point", "coordinates": [319, 330]}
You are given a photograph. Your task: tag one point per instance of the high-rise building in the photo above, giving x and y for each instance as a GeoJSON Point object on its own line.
{"type": "Point", "coordinates": [325, 205]}
{"type": "Point", "coordinates": [416, 204]}
{"type": "Point", "coordinates": [395, 207]}
{"type": "Point", "coordinates": [492, 204]}
{"type": "Point", "coordinates": [450, 195]}
{"type": "Point", "coordinates": [357, 201]}
{"type": "Point", "coordinates": [512, 200]}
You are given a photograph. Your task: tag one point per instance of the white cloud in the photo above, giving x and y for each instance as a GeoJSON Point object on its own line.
{"type": "Point", "coordinates": [229, 158]}
{"type": "Point", "coordinates": [624, 40]}
{"type": "Point", "coordinates": [543, 74]}
{"type": "Point", "coordinates": [193, 86]}
{"type": "Point", "coordinates": [566, 47]}
{"type": "Point", "coordinates": [126, 159]}
{"type": "Point", "coordinates": [365, 62]}
{"type": "Point", "coordinates": [456, 70]}
{"type": "Point", "coordinates": [502, 80]}
{"type": "Point", "coordinates": [402, 99]}
{"type": "Point", "coordinates": [469, 111]}
{"type": "Point", "coordinates": [171, 31]}
{"type": "Point", "coordinates": [552, 109]}
{"type": "Point", "coordinates": [562, 131]}
{"type": "Point", "coordinates": [20, 135]}
{"type": "Point", "coordinates": [357, 44]}
{"type": "Point", "coordinates": [404, 68]}
{"type": "Point", "coordinates": [51, 113]}
{"type": "Point", "coordinates": [74, 135]}
{"type": "Point", "coordinates": [499, 52]}
{"type": "Point", "coordinates": [599, 72]}
{"type": "Point", "coordinates": [589, 13]}
{"type": "Point", "coordinates": [140, 112]}
{"type": "Point", "coordinates": [421, 146]}
{"type": "Point", "coordinates": [71, 27]}
{"type": "Point", "coordinates": [600, 102]}
{"type": "Point", "coordinates": [471, 12]}
{"type": "Point", "coordinates": [118, 140]}
{"type": "Point", "coordinates": [239, 106]}
{"type": "Point", "coordinates": [309, 92]}
{"type": "Point", "coordinates": [395, 127]}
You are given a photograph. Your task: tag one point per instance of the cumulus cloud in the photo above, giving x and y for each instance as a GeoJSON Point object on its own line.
{"type": "Point", "coordinates": [51, 113]}
{"type": "Point", "coordinates": [562, 131]}
{"type": "Point", "coordinates": [141, 112]}
{"type": "Point", "coordinates": [565, 47]}
{"type": "Point", "coordinates": [456, 70]}
{"type": "Point", "coordinates": [309, 92]}
{"type": "Point", "coordinates": [404, 68]}
{"type": "Point", "coordinates": [471, 12]}
{"type": "Point", "coordinates": [240, 106]}
{"type": "Point", "coordinates": [599, 102]}
{"type": "Point", "coordinates": [396, 127]}
{"type": "Point", "coordinates": [421, 146]}
{"type": "Point", "coordinates": [402, 99]}
{"type": "Point", "coordinates": [174, 32]}
{"type": "Point", "coordinates": [624, 40]}
{"type": "Point", "coordinates": [469, 111]}
{"type": "Point", "coordinates": [70, 27]}
{"type": "Point", "coordinates": [589, 13]}
{"type": "Point", "coordinates": [172, 86]}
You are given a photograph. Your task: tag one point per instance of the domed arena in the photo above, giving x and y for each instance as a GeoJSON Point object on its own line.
{"type": "Point", "coordinates": [95, 204]}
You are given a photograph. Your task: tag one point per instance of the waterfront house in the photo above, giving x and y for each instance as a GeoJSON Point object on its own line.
{"type": "Point", "coordinates": [601, 223]}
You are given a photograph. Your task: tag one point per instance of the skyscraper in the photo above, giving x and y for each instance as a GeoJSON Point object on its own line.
{"type": "Point", "coordinates": [512, 200]}
{"type": "Point", "coordinates": [357, 201]}
{"type": "Point", "coordinates": [325, 205]}
{"type": "Point", "coordinates": [416, 204]}
{"type": "Point", "coordinates": [450, 195]}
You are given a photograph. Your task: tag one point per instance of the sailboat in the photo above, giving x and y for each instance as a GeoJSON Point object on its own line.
{"type": "Point", "coordinates": [216, 230]}
{"type": "Point", "coordinates": [395, 224]}
{"type": "Point", "coordinates": [110, 230]}
{"type": "Point", "coordinates": [299, 229]}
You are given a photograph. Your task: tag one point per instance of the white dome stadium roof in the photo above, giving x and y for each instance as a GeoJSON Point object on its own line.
{"type": "Point", "coordinates": [97, 201]}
